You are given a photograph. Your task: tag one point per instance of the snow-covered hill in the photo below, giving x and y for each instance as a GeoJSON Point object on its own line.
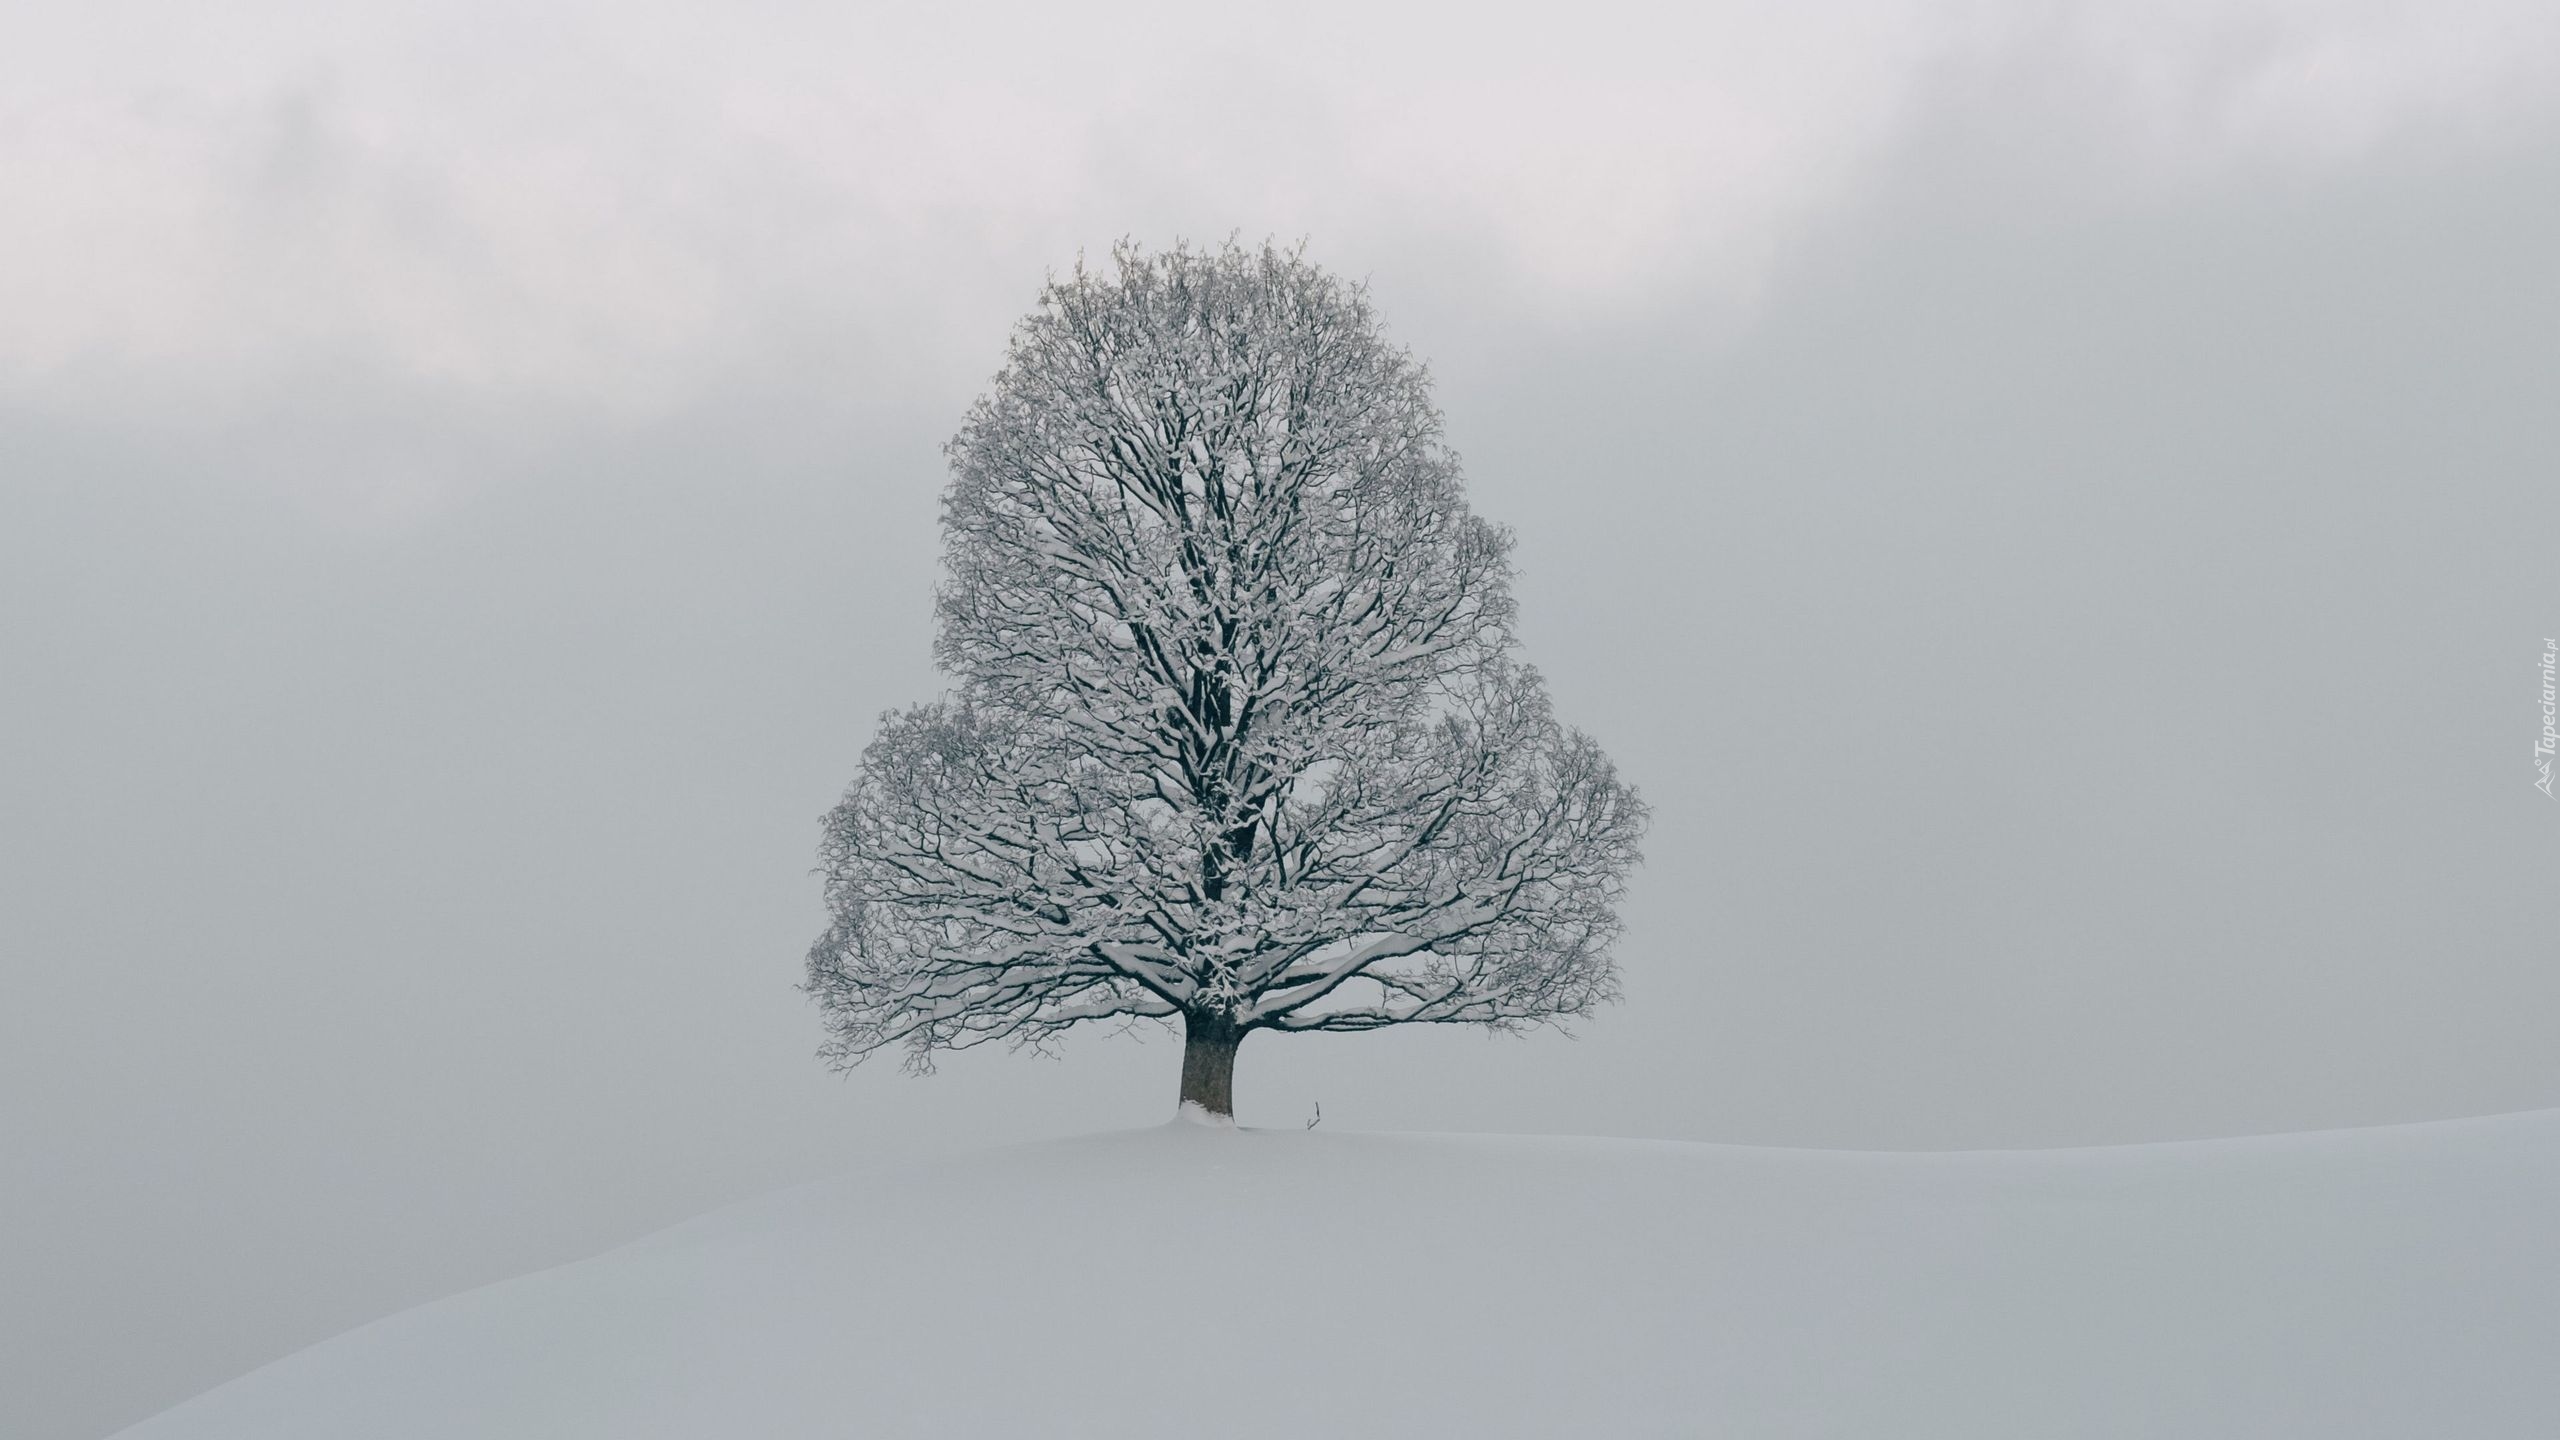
{"type": "Point", "coordinates": [1192, 1282]}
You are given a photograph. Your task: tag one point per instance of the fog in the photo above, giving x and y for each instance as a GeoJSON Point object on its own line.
{"type": "Point", "coordinates": [2053, 510]}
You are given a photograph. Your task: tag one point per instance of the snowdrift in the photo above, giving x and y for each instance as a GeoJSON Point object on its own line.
{"type": "Point", "coordinates": [1195, 1282]}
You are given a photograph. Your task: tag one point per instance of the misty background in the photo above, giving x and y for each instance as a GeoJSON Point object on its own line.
{"type": "Point", "coordinates": [2052, 505]}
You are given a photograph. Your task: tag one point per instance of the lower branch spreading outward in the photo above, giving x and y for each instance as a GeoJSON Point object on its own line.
{"type": "Point", "coordinates": [1479, 890]}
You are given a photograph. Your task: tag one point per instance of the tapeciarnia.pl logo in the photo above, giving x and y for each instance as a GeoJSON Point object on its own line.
{"type": "Point", "coordinates": [2543, 747]}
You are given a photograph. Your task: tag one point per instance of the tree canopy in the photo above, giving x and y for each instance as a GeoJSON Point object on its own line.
{"type": "Point", "coordinates": [1238, 736]}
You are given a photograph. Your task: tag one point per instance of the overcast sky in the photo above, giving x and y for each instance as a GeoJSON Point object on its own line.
{"type": "Point", "coordinates": [2053, 505]}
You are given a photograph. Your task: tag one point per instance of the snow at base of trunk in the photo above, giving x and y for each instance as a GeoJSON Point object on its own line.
{"type": "Point", "coordinates": [1192, 1112]}
{"type": "Point", "coordinates": [2393, 1282]}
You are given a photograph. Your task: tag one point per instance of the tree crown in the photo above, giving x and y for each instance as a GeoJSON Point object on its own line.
{"type": "Point", "coordinates": [1238, 733]}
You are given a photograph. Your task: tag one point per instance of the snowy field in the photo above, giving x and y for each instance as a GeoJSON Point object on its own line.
{"type": "Point", "coordinates": [1187, 1281]}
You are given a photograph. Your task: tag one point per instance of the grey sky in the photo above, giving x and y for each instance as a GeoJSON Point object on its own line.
{"type": "Point", "coordinates": [2053, 508]}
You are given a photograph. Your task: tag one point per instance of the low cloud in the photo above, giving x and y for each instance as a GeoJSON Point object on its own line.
{"type": "Point", "coordinates": [610, 212]}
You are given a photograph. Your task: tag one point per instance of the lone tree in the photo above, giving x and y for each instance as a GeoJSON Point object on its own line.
{"type": "Point", "coordinates": [1238, 737]}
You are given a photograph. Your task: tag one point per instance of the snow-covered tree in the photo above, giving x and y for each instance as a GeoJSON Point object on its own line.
{"type": "Point", "coordinates": [1238, 737]}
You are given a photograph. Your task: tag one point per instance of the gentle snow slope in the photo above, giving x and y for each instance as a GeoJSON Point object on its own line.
{"type": "Point", "coordinates": [1194, 1282]}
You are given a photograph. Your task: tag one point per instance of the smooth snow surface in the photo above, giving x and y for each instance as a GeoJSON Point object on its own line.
{"type": "Point", "coordinates": [1197, 1282]}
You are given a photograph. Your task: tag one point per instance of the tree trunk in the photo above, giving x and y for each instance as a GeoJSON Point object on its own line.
{"type": "Point", "coordinates": [1209, 1065]}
